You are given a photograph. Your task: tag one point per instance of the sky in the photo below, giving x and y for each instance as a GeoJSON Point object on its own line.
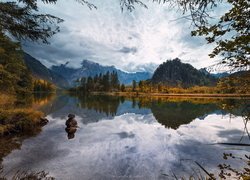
{"type": "Point", "coordinates": [131, 41]}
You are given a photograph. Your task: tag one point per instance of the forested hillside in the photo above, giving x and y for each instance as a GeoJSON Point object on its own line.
{"type": "Point", "coordinates": [39, 71]}
{"type": "Point", "coordinates": [177, 74]}
{"type": "Point", "coordinates": [15, 77]}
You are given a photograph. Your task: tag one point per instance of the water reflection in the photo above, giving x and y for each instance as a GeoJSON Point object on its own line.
{"type": "Point", "coordinates": [101, 104]}
{"type": "Point", "coordinates": [169, 112]}
{"type": "Point", "coordinates": [71, 126]}
{"type": "Point", "coordinates": [125, 137]}
{"type": "Point", "coordinates": [70, 132]}
{"type": "Point", "coordinates": [246, 119]}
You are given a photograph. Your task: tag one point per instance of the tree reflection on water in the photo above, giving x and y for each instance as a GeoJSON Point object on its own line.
{"type": "Point", "coordinates": [170, 112]}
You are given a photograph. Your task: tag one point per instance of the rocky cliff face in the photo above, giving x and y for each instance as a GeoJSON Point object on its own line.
{"type": "Point", "coordinates": [176, 73]}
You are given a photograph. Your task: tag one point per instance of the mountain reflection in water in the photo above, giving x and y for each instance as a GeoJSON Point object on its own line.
{"type": "Point", "coordinates": [125, 137]}
{"type": "Point", "coordinates": [170, 112]}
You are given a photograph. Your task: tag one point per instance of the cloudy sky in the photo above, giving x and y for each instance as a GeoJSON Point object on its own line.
{"type": "Point", "coordinates": [131, 41]}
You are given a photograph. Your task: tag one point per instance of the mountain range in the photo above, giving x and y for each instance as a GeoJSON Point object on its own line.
{"type": "Point", "coordinates": [89, 68]}
{"type": "Point", "coordinates": [64, 76]}
{"type": "Point", "coordinates": [170, 73]}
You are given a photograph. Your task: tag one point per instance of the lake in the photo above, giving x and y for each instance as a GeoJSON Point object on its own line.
{"type": "Point", "coordinates": [131, 138]}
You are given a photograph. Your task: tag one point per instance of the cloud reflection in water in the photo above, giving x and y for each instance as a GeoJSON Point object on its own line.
{"type": "Point", "coordinates": [127, 146]}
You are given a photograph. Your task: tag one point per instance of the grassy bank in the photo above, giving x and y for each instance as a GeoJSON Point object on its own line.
{"type": "Point", "coordinates": [19, 120]}
{"type": "Point", "coordinates": [16, 120]}
{"type": "Point", "coordinates": [194, 95]}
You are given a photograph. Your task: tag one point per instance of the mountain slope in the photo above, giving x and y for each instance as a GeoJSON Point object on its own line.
{"type": "Point", "coordinates": [89, 68]}
{"type": "Point", "coordinates": [176, 73]}
{"type": "Point", "coordinates": [42, 72]}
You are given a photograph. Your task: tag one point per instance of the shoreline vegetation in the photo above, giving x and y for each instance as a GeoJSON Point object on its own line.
{"type": "Point", "coordinates": [16, 117]}
{"type": "Point", "coordinates": [19, 120]}
{"type": "Point", "coordinates": [109, 84]}
{"type": "Point", "coordinates": [191, 95]}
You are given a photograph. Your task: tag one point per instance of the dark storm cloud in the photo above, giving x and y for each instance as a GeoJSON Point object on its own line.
{"type": "Point", "coordinates": [127, 50]}
{"type": "Point", "coordinates": [60, 49]}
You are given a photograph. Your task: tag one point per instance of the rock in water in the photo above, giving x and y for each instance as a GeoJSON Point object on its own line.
{"type": "Point", "coordinates": [71, 116]}
{"type": "Point", "coordinates": [43, 121]}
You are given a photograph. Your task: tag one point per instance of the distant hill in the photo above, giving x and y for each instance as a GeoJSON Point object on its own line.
{"type": "Point", "coordinates": [42, 72]}
{"type": "Point", "coordinates": [214, 74]}
{"type": "Point", "coordinates": [176, 73]}
{"type": "Point", "coordinates": [240, 74]}
{"type": "Point", "coordinates": [89, 68]}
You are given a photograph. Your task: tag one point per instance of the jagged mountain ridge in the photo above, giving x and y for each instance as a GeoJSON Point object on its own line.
{"type": "Point", "coordinates": [64, 76]}
{"type": "Point", "coordinates": [175, 73]}
{"type": "Point", "coordinates": [89, 68]}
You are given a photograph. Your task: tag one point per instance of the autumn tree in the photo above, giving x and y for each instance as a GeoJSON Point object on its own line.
{"type": "Point", "coordinates": [40, 85]}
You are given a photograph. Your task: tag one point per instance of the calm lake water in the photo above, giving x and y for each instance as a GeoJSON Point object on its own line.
{"type": "Point", "coordinates": [130, 138]}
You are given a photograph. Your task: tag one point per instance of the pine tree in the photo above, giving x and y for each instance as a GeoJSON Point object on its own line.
{"type": "Point", "coordinates": [140, 86]}
{"type": "Point", "coordinates": [106, 81]}
{"type": "Point", "coordinates": [134, 86]}
{"type": "Point", "coordinates": [90, 84]}
{"type": "Point", "coordinates": [114, 81]}
{"type": "Point", "coordinates": [123, 88]}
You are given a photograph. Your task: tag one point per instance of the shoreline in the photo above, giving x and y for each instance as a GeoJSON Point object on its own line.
{"type": "Point", "coordinates": [189, 95]}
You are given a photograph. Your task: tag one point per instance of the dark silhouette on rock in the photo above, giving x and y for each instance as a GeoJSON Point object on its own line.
{"type": "Point", "coordinates": [43, 121]}
{"type": "Point", "coordinates": [71, 124]}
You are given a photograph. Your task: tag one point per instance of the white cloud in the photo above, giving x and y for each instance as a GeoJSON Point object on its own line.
{"type": "Point", "coordinates": [111, 37]}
